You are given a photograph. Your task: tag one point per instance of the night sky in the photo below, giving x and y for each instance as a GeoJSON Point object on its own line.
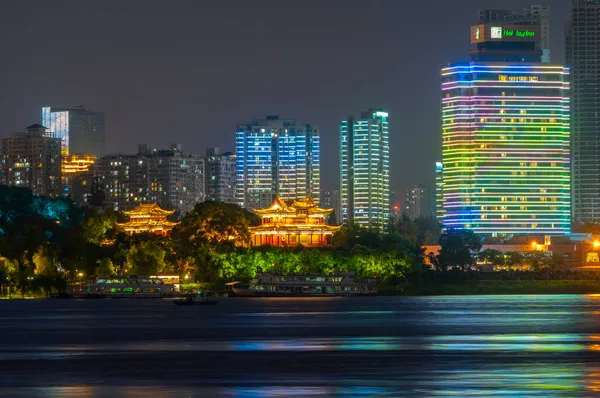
{"type": "Point", "coordinates": [190, 71]}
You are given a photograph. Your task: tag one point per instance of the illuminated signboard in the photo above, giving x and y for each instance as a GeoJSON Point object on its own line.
{"type": "Point", "coordinates": [508, 78]}
{"type": "Point", "coordinates": [505, 33]}
{"type": "Point", "coordinates": [514, 33]}
{"type": "Point", "coordinates": [496, 32]}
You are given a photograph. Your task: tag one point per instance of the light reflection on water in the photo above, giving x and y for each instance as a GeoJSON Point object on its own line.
{"type": "Point", "coordinates": [501, 346]}
{"type": "Point", "coordinates": [496, 342]}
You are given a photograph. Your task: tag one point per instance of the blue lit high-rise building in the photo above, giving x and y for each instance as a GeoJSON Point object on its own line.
{"type": "Point", "coordinates": [81, 131]}
{"type": "Point", "coordinates": [365, 170]}
{"type": "Point", "coordinates": [276, 156]}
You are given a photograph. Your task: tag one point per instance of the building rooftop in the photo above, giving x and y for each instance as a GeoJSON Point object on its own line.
{"type": "Point", "coordinates": [36, 126]}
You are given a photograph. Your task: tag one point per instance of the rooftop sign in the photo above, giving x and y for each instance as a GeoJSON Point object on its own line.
{"type": "Point", "coordinates": [504, 33]}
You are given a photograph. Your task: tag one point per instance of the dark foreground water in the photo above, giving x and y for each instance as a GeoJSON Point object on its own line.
{"type": "Point", "coordinates": [500, 346]}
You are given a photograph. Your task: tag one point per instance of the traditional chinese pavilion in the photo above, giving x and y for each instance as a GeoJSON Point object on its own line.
{"type": "Point", "coordinates": [148, 218]}
{"type": "Point", "coordinates": [293, 222]}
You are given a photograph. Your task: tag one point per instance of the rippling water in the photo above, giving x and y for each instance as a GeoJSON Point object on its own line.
{"type": "Point", "coordinates": [475, 346]}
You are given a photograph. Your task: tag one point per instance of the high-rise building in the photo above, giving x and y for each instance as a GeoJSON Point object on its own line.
{"type": "Point", "coordinates": [416, 202]}
{"type": "Point", "coordinates": [81, 131]}
{"type": "Point", "coordinates": [276, 157]}
{"type": "Point", "coordinates": [583, 59]}
{"type": "Point", "coordinates": [220, 175]}
{"type": "Point", "coordinates": [331, 200]}
{"type": "Point", "coordinates": [166, 177]}
{"type": "Point", "coordinates": [505, 138]}
{"type": "Point", "coordinates": [77, 177]}
{"type": "Point", "coordinates": [439, 191]}
{"type": "Point", "coordinates": [534, 15]}
{"type": "Point", "coordinates": [33, 160]}
{"type": "Point", "coordinates": [365, 170]}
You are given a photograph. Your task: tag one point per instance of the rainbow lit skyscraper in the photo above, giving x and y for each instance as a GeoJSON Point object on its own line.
{"type": "Point", "coordinates": [505, 138]}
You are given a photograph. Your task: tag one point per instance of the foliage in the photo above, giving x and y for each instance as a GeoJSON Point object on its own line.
{"type": "Point", "coordinates": [44, 261]}
{"type": "Point", "coordinates": [458, 250]}
{"type": "Point", "coordinates": [492, 256]}
{"type": "Point", "coordinates": [213, 224]}
{"type": "Point", "coordinates": [106, 267]}
{"type": "Point", "coordinates": [146, 258]}
{"type": "Point", "coordinates": [99, 226]}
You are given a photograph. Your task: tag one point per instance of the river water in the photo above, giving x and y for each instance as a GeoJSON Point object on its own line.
{"type": "Point", "coordinates": [469, 346]}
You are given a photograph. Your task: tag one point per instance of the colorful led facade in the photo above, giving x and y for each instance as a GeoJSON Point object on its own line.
{"type": "Point", "coordinates": [506, 166]}
{"type": "Point", "coordinates": [293, 222]}
{"type": "Point", "coordinates": [276, 157]}
{"type": "Point", "coordinates": [365, 170]}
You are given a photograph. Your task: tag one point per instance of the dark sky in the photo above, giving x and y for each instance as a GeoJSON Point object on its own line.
{"type": "Point", "coordinates": [190, 71]}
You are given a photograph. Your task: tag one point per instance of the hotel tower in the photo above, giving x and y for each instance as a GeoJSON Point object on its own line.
{"type": "Point", "coordinates": [505, 137]}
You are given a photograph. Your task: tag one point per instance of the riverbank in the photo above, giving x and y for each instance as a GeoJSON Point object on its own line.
{"type": "Point", "coordinates": [484, 287]}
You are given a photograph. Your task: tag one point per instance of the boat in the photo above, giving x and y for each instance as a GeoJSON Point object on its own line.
{"type": "Point", "coordinates": [195, 299]}
{"type": "Point", "coordinates": [127, 287]}
{"type": "Point", "coordinates": [303, 285]}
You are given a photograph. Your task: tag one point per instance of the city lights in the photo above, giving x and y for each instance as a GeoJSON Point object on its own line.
{"type": "Point", "coordinates": [506, 148]}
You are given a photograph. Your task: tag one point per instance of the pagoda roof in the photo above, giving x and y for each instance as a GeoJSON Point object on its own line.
{"type": "Point", "coordinates": [148, 224]}
{"type": "Point", "coordinates": [151, 209]}
{"type": "Point", "coordinates": [291, 206]}
{"type": "Point", "coordinates": [295, 228]}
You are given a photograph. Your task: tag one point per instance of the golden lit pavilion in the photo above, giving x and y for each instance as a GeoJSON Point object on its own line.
{"type": "Point", "coordinates": [293, 222]}
{"type": "Point", "coordinates": [148, 218]}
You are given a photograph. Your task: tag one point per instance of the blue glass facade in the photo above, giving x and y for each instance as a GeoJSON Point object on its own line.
{"type": "Point", "coordinates": [276, 156]}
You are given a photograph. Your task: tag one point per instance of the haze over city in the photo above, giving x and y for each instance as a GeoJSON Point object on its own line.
{"type": "Point", "coordinates": [191, 71]}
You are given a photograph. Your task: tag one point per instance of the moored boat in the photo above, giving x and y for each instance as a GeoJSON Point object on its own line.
{"type": "Point", "coordinates": [196, 299]}
{"type": "Point", "coordinates": [127, 287]}
{"type": "Point", "coordinates": [299, 285]}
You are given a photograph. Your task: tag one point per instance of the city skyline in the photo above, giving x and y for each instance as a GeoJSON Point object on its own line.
{"type": "Point", "coordinates": [322, 79]}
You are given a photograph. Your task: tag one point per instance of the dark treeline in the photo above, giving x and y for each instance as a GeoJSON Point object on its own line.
{"type": "Point", "coordinates": [45, 243]}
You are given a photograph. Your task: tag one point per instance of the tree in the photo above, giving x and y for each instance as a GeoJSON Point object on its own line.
{"type": "Point", "coordinates": [146, 258]}
{"type": "Point", "coordinates": [44, 261]}
{"type": "Point", "coordinates": [513, 259]}
{"type": "Point", "coordinates": [458, 249]}
{"type": "Point", "coordinates": [492, 256]}
{"type": "Point", "coordinates": [106, 267]}
{"type": "Point", "coordinates": [554, 262]}
{"type": "Point", "coordinates": [97, 226]}
{"type": "Point", "coordinates": [215, 224]}
{"type": "Point", "coordinates": [536, 260]}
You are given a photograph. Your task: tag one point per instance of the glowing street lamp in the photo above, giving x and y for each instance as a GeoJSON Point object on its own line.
{"type": "Point", "coordinates": [596, 244]}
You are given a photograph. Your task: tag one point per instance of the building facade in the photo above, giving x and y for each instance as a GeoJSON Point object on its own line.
{"type": "Point", "coordinates": [167, 177]}
{"type": "Point", "coordinates": [77, 177]}
{"type": "Point", "coordinates": [439, 191]}
{"type": "Point", "coordinates": [365, 170]}
{"type": "Point", "coordinates": [331, 199]}
{"type": "Point", "coordinates": [534, 15]}
{"type": "Point", "coordinates": [33, 160]}
{"type": "Point", "coordinates": [276, 157]}
{"type": "Point", "coordinates": [220, 176]}
{"type": "Point", "coordinates": [583, 60]}
{"type": "Point", "coordinates": [505, 140]}
{"type": "Point", "coordinates": [417, 202]}
{"type": "Point", "coordinates": [81, 131]}
{"type": "Point", "coordinates": [293, 222]}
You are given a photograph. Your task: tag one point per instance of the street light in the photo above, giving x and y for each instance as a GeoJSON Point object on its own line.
{"type": "Point", "coordinates": [80, 274]}
{"type": "Point", "coordinates": [596, 244]}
